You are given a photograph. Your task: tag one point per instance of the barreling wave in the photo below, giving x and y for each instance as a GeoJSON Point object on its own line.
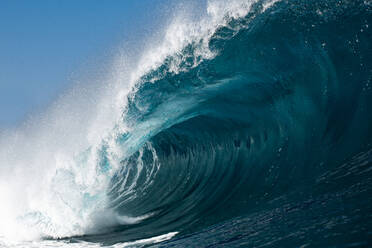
{"type": "Point", "coordinates": [264, 101]}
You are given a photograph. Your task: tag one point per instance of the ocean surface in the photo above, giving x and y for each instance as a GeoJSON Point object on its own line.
{"type": "Point", "coordinates": [249, 125]}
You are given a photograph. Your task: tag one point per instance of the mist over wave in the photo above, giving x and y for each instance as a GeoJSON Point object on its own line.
{"type": "Point", "coordinates": [241, 113]}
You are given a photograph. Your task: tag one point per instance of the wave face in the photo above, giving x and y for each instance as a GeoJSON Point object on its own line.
{"type": "Point", "coordinates": [257, 130]}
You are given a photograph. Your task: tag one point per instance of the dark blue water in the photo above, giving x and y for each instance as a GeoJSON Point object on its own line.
{"type": "Point", "coordinates": [267, 144]}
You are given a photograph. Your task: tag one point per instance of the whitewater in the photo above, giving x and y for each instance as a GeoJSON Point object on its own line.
{"type": "Point", "coordinates": [247, 125]}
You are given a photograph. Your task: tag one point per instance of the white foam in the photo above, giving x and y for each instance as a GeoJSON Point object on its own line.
{"type": "Point", "coordinates": [81, 244]}
{"type": "Point", "coordinates": [148, 241]}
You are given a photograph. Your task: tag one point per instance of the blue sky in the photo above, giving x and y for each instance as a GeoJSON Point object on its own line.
{"type": "Point", "coordinates": [43, 43]}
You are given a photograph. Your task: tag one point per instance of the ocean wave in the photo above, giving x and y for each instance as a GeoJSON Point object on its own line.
{"type": "Point", "coordinates": [254, 101]}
